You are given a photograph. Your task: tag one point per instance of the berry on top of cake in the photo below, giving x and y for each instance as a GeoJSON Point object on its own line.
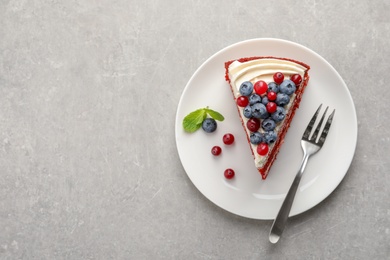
{"type": "Point", "coordinates": [267, 92]}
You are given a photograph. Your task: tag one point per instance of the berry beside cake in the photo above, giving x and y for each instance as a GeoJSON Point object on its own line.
{"type": "Point", "coordinates": [267, 91]}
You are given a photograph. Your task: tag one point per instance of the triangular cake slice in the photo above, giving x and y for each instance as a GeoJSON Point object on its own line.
{"type": "Point", "coordinates": [267, 91]}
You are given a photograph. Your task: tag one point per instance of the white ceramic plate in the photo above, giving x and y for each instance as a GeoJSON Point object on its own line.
{"type": "Point", "coordinates": [247, 194]}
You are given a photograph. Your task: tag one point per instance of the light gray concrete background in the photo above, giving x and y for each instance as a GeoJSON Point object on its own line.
{"type": "Point", "coordinates": [88, 162]}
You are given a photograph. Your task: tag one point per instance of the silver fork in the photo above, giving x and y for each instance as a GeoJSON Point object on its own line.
{"type": "Point", "coordinates": [310, 146]}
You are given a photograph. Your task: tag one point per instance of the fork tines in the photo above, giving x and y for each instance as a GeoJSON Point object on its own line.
{"type": "Point", "coordinates": [325, 131]}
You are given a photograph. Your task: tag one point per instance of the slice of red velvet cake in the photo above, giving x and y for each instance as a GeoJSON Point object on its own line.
{"type": "Point", "coordinates": [267, 91]}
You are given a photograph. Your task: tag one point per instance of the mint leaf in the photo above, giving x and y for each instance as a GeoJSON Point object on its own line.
{"type": "Point", "coordinates": [193, 121]}
{"type": "Point", "coordinates": [214, 114]}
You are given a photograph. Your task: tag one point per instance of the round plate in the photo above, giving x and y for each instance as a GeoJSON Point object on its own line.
{"type": "Point", "coordinates": [247, 195]}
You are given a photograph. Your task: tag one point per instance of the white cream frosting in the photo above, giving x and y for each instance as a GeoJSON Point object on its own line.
{"type": "Point", "coordinates": [262, 69]}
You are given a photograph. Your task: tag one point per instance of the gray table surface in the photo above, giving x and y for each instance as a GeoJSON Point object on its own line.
{"type": "Point", "coordinates": [88, 161]}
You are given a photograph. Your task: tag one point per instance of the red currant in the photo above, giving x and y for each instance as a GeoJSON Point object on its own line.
{"type": "Point", "coordinates": [229, 173]}
{"type": "Point", "coordinates": [297, 79]}
{"type": "Point", "coordinates": [271, 107]}
{"type": "Point", "coordinates": [242, 101]}
{"type": "Point", "coordinates": [260, 87]}
{"type": "Point", "coordinates": [278, 77]}
{"type": "Point", "coordinates": [216, 150]}
{"type": "Point", "coordinates": [271, 96]}
{"type": "Point", "coordinates": [262, 149]}
{"type": "Point", "coordinates": [228, 139]}
{"type": "Point", "coordinates": [253, 124]}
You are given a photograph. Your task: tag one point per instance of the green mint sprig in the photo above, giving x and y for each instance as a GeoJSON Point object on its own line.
{"type": "Point", "coordinates": [193, 121]}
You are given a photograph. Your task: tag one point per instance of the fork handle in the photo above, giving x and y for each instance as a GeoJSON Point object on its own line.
{"type": "Point", "coordinates": [281, 219]}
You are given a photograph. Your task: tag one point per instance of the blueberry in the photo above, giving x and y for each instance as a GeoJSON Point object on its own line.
{"type": "Point", "coordinates": [287, 87]}
{"type": "Point", "coordinates": [265, 100]}
{"type": "Point", "coordinates": [259, 111]}
{"type": "Point", "coordinates": [256, 138]}
{"type": "Point", "coordinates": [254, 98]}
{"type": "Point", "coordinates": [246, 88]}
{"type": "Point", "coordinates": [282, 99]}
{"type": "Point", "coordinates": [270, 137]}
{"type": "Point", "coordinates": [279, 115]}
{"type": "Point", "coordinates": [247, 111]}
{"type": "Point", "coordinates": [268, 124]}
{"type": "Point", "coordinates": [272, 86]}
{"type": "Point", "coordinates": [209, 125]}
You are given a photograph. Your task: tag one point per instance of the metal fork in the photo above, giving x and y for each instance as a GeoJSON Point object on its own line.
{"type": "Point", "coordinates": [310, 146]}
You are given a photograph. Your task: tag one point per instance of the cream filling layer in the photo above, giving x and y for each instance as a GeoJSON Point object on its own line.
{"type": "Point", "coordinates": [262, 69]}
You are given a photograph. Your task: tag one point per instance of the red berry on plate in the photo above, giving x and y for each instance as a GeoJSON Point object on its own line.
{"type": "Point", "coordinates": [216, 150]}
{"type": "Point", "coordinates": [253, 124]}
{"type": "Point", "coordinates": [229, 173]}
{"type": "Point", "coordinates": [271, 107]}
{"type": "Point", "coordinates": [262, 149]}
{"type": "Point", "coordinates": [242, 101]}
{"type": "Point", "coordinates": [228, 139]}
{"type": "Point", "coordinates": [296, 78]}
{"type": "Point", "coordinates": [278, 77]}
{"type": "Point", "coordinates": [271, 96]}
{"type": "Point", "coordinates": [260, 87]}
